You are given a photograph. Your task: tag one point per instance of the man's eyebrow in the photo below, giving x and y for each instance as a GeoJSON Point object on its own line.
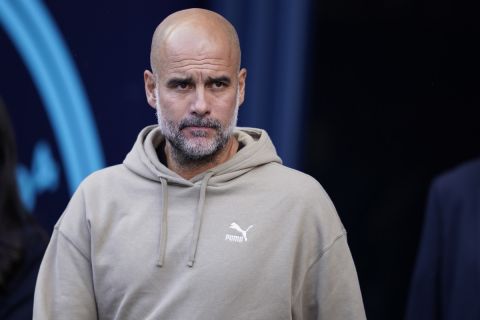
{"type": "Point", "coordinates": [223, 79]}
{"type": "Point", "coordinates": [178, 80]}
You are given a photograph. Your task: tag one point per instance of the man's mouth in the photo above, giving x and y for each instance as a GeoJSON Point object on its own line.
{"type": "Point", "coordinates": [200, 124]}
{"type": "Point", "coordinates": [198, 132]}
{"type": "Point", "coordinates": [198, 128]}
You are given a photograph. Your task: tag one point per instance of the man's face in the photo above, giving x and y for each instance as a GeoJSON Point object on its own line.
{"type": "Point", "coordinates": [198, 91]}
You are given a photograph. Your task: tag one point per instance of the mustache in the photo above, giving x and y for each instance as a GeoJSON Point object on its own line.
{"type": "Point", "coordinates": [199, 122]}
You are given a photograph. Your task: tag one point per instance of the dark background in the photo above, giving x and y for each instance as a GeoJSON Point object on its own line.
{"type": "Point", "coordinates": [393, 100]}
{"type": "Point", "coordinates": [389, 100]}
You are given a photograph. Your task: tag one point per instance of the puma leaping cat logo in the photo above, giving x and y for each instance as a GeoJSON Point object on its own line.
{"type": "Point", "coordinates": [235, 226]}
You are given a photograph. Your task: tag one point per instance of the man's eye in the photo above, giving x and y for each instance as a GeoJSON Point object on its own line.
{"type": "Point", "coordinates": [218, 84]}
{"type": "Point", "coordinates": [182, 85]}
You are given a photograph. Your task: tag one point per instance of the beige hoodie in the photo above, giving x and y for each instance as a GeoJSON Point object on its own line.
{"type": "Point", "coordinates": [248, 239]}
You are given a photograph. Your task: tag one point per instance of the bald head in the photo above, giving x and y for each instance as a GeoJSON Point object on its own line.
{"type": "Point", "coordinates": [197, 29]}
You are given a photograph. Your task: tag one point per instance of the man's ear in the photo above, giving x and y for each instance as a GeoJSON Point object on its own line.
{"type": "Point", "coordinates": [150, 83]}
{"type": "Point", "coordinates": [242, 77]}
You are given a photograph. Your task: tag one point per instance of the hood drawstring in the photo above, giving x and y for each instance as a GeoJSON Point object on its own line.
{"type": "Point", "coordinates": [163, 223]}
{"type": "Point", "coordinates": [198, 219]}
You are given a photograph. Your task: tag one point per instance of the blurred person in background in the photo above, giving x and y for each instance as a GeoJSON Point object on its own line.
{"type": "Point", "coordinates": [22, 242]}
{"type": "Point", "coordinates": [446, 279]}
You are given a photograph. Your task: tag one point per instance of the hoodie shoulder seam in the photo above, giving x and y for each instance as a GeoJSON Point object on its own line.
{"type": "Point", "coordinates": [72, 243]}
{"type": "Point", "coordinates": [342, 234]}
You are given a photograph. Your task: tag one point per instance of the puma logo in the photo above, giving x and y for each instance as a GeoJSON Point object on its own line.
{"type": "Point", "coordinates": [234, 238]}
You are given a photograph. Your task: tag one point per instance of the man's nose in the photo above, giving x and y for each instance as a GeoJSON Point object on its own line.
{"type": "Point", "coordinates": [200, 105]}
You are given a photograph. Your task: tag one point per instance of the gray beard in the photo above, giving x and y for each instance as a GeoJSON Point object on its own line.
{"type": "Point", "coordinates": [190, 154]}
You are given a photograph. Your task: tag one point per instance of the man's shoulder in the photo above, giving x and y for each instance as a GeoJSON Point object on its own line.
{"type": "Point", "coordinates": [295, 184]}
{"type": "Point", "coordinates": [290, 177]}
{"type": "Point", "coordinates": [106, 176]}
{"type": "Point", "coordinates": [464, 177]}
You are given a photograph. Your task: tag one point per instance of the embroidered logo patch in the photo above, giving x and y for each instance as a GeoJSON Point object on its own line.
{"type": "Point", "coordinates": [237, 238]}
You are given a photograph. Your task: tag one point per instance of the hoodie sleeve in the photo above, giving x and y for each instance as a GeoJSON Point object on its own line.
{"type": "Point", "coordinates": [64, 288]}
{"type": "Point", "coordinates": [330, 289]}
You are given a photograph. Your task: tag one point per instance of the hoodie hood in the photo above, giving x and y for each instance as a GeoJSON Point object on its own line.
{"type": "Point", "coordinates": [256, 150]}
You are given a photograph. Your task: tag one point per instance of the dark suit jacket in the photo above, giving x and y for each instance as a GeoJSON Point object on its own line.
{"type": "Point", "coordinates": [446, 279]}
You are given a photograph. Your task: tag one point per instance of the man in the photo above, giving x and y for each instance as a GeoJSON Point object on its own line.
{"type": "Point", "coordinates": [201, 221]}
{"type": "Point", "coordinates": [446, 280]}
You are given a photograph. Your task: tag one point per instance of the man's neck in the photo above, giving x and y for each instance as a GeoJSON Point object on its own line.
{"type": "Point", "coordinates": [190, 171]}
